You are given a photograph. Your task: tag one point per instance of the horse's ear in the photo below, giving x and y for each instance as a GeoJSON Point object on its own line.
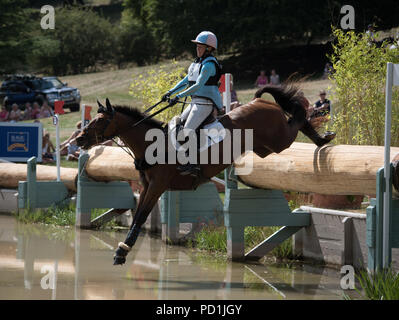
{"type": "Point", "coordinates": [109, 107]}
{"type": "Point", "coordinates": [101, 108]}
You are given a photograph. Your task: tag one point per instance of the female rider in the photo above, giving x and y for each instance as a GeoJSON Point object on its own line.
{"type": "Point", "coordinates": [202, 82]}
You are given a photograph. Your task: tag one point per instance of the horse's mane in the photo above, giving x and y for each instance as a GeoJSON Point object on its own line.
{"type": "Point", "coordinates": [138, 115]}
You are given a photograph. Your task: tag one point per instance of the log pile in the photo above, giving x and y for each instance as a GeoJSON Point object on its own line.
{"type": "Point", "coordinates": [335, 170]}
{"type": "Point", "coordinates": [111, 163]}
{"type": "Point", "coordinates": [338, 170]}
{"type": "Point", "coordinates": [12, 173]}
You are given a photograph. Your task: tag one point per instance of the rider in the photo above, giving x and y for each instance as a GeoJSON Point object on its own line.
{"type": "Point", "coordinates": [202, 81]}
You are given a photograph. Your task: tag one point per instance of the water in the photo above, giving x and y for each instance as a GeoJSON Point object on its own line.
{"type": "Point", "coordinates": [48, 262]}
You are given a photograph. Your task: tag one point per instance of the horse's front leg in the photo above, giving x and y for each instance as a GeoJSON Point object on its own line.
{"type": "Point", "coordinates": [146, 204]}
{"type": "Point", "coordinates": [123, 248]}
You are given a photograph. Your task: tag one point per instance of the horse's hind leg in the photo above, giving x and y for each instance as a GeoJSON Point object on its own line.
{"type": "Point", "coordinates": [312, 134]}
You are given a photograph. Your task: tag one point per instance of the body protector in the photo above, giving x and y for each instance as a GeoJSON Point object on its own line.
{"type": "Point", "coordinates": [195, 69]}
{"type": "Point", "coordinates": [210, 89]}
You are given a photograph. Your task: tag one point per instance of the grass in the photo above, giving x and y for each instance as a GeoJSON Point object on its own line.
{"type": "Point", "coordinates": [213, 238]}
{"type": "Point", "coordinates": [381, 285]}
{"type": "Point", "coordinates": [63, 215]}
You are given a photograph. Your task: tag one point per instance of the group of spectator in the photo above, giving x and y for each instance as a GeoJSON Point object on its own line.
{"type": "Point", "coordinates": [68, 148]}
{"type": "Point", "coordinates": [31, 112]}
{"type": "Point", "coordinates": [263, 80]}
{"type": "Point", "coordinates": [319, 110]}
{"type": "Point", "coordinates": [35, 112]}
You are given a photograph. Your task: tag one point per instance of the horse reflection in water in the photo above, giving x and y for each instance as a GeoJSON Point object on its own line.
{"type": "Point", "coordinates": [275, 127]}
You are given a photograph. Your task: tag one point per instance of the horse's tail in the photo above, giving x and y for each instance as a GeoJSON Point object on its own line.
{"type": "Point", "coordinates": [292, 101]}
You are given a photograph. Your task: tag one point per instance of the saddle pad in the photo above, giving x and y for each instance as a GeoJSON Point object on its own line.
{"type": "Point", "coordinates": [215, 132]}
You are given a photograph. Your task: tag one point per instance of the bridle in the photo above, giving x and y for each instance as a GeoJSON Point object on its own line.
{"type": "Point", "coordinates": [100, 138]}
{"type": "Point", "coordinates": [110, 111]}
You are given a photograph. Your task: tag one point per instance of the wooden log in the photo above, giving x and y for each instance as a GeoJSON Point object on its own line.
{"type": "Point", "coordinates": [12, 173]}
{"type": "Point", "coordinates": [111, 163]}
{"type": "Point", "coordinates": [339, 169]}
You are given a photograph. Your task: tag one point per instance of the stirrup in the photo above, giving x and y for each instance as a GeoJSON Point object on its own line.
{"type": "Point", "coordinates": [189, 169]}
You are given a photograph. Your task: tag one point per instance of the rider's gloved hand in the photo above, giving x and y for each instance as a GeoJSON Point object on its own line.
{"type": "Point", "coordinates": [173, 101]}
{"type": "Point", "coordinates": [166, 96]}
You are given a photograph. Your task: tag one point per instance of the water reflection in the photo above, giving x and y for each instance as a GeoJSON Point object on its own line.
{"type": "Point", "coordinates": [47, 262]}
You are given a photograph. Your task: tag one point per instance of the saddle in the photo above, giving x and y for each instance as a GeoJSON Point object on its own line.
{"type": "Point", "coordinates": [180, 124]}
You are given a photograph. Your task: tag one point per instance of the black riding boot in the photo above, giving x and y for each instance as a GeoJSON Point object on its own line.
{"type": "Point", "coordinates": [189, 169]}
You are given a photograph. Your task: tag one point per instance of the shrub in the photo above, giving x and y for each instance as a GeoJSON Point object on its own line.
{"type": "Point", "coordinates": [358, 90]}
{"type": "Point", "coordinates": [157, 81]}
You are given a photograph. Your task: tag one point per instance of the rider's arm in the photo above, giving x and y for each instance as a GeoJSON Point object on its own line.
{"type": "Point", "coordinates": [180, 86]}
{"type": "Point", "coordinates": [208, 70]}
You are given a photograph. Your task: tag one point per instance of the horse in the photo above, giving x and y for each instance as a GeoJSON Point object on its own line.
{"type": "Point", "coordinates": [274, 125]}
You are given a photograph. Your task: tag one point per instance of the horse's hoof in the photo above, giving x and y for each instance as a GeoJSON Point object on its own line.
{"type": "Point", "coordinates": [329, 135]}
{"type": "Point", "coordinates": [121, 253]}
{"type": "Point", "coordinates": [118, 260]}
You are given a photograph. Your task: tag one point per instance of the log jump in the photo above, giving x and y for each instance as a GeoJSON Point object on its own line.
{"type": "Point", "coordinates": [332, 169]}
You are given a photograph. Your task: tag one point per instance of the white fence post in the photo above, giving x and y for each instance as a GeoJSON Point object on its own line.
{"type": "Point", "coordinates": [391, 80]}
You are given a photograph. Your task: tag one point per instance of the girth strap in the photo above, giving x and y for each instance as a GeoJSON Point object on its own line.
{"type": "Point", "coordinates": [142, 164]}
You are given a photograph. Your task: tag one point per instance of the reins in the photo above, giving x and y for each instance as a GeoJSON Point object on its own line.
{"type": "Point", "coordinates": [128, 151]}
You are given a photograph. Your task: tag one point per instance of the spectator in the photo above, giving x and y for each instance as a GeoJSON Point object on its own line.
{"type": "Point", "coordinates": [28, 111]}
{"type": "Point", "coordinates": [4, 114]}
{"type": "Point", "coordinates": [65, 144]}
{"type": "Point", "coordinates": [234, 99]}
{"type": "Point", "coordinates": [261, 80]}
{"type": "Point", "coordinates": [48, 148]}
{"type": "Point", "coordinates": [5, 101]}
{"type": "Point", "coordinates": [327, 70]}
{"type": "Point", "coordinates": [321, 108]}
{"type": "Point", "coordinates": [45, 111]}
{"type": "Point", "coordinates": [35, 111]}
{"type": "Point", "coordinates": [274, 78]}
{"type": "Point", "coordinates": [15, 114]}
{"type": "Point", "coordinates": [395, 43]}
{"type": "Point", "coordinates": [73, 151]}
{"type": "Point", "coordinates": [370, 33]}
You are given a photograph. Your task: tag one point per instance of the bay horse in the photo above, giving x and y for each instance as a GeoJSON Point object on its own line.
{"type": "Point", "coordinates": [275, 127]}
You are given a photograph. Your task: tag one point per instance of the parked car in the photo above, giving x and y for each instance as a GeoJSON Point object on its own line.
{"type": "Point", "coordinates": [21, 89]}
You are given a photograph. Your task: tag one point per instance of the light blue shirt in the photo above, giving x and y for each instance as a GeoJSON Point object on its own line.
{"type": "Point", "coordinates": [199, 88]}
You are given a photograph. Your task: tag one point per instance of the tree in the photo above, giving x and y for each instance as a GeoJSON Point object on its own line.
{"type": "Point", "coordinates": [134, 43]}
{"type": "Point", "coordinates": [81, 39]}
{"type": "Point", "coordinates": [14, 34]}
{"type": "Point", "coordinates": [247, 25]}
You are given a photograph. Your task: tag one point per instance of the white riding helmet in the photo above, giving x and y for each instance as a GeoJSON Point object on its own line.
{"type": "Point", "coordinates": [208, 38]}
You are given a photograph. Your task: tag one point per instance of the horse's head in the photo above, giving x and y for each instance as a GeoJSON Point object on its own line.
{"type": "Point", "coordinates": [102, 128]}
